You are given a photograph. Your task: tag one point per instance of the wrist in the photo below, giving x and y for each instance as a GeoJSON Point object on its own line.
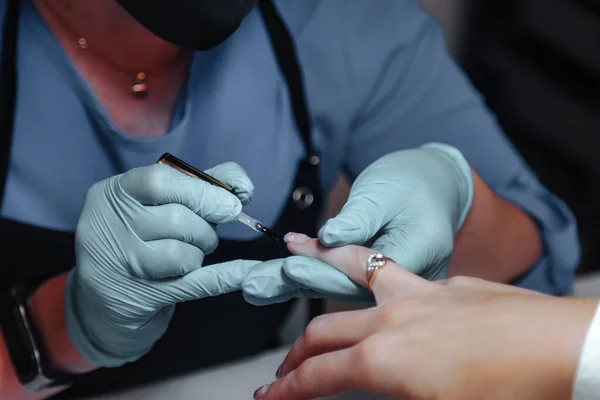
{"type": "Point", "coordinates": [47, 309]}
{"type": "Point", "coordinates": [101, 339]}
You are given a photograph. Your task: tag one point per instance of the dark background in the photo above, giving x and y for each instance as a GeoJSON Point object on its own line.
{"type": "Point", "coordinates": [537, 62]}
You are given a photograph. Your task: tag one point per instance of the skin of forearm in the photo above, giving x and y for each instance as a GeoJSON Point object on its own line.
{"type": "Point", "coordinates": [46, 306]}
{"type": "Point", "coordinates": [498, 242]}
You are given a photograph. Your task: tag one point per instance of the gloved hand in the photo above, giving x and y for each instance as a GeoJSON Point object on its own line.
{"type": "Point", "coordinates": [408, 205]}
{"type": "Point", "coordinates": [140, 243]}
{"type": "Point", "coordinates": [278, 281]}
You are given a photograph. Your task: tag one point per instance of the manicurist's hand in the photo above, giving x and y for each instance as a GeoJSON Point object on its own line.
{"type": "Point", "coordinates": [409, 205]}
{"type": "Point", "coordinates": [140, 244]}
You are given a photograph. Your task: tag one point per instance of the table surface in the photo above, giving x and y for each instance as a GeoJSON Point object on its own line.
{"type": "Point", "coordinates": [232, 382]}
{"type": "Point", "coordinates": [588, 286]}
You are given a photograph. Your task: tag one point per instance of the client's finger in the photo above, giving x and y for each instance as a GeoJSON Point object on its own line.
{"type": "Point", "coordinates": [328, 333]}
{"type": "Point", "coordinates": [391, 281]}
{"type": "Point", "coordinates": [320, 376]}
{"type": "Point", "coordinates": [468, 283]}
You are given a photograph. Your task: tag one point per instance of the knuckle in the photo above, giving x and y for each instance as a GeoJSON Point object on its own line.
{"type": "Point", "coordinates": [314, 330]}
{"type": "Point", "coordinates": [366, 360]}
{"type": "Point", "coordinates": [192, 259]}
{"type": "Point", "coordinates": [231, 173]}
{"type": "Point", "coordinates": [171, 250]}
{"type": "Point", "coordinates": [177, 216]}
{"type": "Point", "coordinates": [460, 281]}
{"type": "Point", "coordinates": [140, 270]}
{"type": "Point", "coordinates": [302, 375]}
{"type": "Point", "coordinates": [398, 312]}
{"type": "Point", "coordinates": [362, 354]}
{"type": "Point", "coordinates": [155, 180]}
{"type": "Point", "coordinates": [367, 356]}
{"type": "Point", "coordinates": [211, 245]}
{"type": "Point", "coordinates": [233, 166]}
{"type": "Point", "coordinates": [97, 192]}
{"type": "Point", "coordinates": [409, 307]}
{"type": "Point", "coordinates": [169, 254]}
{"type": "Point", "coordinates": [374, 353]}
{"type": "Point", "coordinates": [95, 189]}
{"type": "Point", "coordinates": [386, 316]}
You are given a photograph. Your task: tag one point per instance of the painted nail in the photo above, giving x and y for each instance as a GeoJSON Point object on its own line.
{"type": "Point", "coordinates": [297, 238]}
{"type": "Point", "coordinates": [279, 370]}
{"type": "Point", "coordinates": [261, 391]}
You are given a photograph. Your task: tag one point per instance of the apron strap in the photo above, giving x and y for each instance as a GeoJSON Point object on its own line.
{"type": "Point", "coordinates": [8, 88]}
{"type": "Point", "coordinates": [287, 58]}
{"type": "Point", "coordinates": [285, 51]}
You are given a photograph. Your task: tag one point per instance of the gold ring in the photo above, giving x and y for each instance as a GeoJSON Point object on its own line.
{"type": "Point", "coordinates": [375, 262]}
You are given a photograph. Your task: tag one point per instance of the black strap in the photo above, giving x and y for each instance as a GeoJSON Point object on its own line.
{"type": "Point", "coordinates": [8, 89]}
{"type": "Point", "coordinates": [285, 51]}
{"type": "Point", "coordinates": [289, 64]}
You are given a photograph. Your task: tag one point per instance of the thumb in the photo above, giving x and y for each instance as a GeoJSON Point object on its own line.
{"type": "Point", "coordinates": [357, 223]}
{"type": "Point", "coordinates": [211, 281]}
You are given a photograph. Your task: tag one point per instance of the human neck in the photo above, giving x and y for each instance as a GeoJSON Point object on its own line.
{"type": "Point", "coordinates": [111, 33]}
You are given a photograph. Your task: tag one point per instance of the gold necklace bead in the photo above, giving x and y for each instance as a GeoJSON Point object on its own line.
{"type": "Point", "coordinates": [83, 43]}
{"type": "Point", "coordinates": [140, 89]}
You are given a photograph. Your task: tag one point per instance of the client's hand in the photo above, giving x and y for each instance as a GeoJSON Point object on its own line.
{"type": "Point", "coordinates": [456, 339]}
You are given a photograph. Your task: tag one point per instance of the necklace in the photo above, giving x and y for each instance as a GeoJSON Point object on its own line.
{"type": "Point", "coordinates": [139, 86]}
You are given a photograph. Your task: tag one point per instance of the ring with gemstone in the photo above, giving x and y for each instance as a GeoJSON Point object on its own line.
{"type": "Point", "coordinates": [374, 263]}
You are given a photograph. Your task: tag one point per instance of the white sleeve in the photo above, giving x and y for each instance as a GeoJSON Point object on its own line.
{"type": "Point", "coordinates": [587, 380]}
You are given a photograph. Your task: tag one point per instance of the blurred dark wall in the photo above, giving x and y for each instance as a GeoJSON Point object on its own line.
{"type": "Point", "coordinates": [538, 64]}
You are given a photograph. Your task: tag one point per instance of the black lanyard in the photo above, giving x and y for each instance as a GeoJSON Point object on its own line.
{"type": "Point", "coordinates": [281, 39]}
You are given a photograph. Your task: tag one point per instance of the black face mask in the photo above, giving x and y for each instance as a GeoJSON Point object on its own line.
{"type": "Point", "coordinates": [198, 24]}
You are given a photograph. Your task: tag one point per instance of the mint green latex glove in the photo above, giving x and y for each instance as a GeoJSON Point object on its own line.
{"type": "Point", "coordinates": [408, 205]}
{"type": "Point", "coordinates": [140, 243]}
{"type": "Point", "coordinates": [278, 281]}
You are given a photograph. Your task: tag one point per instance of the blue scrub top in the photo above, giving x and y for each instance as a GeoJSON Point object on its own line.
{"type": "Point", "coordinates": [378, 79]}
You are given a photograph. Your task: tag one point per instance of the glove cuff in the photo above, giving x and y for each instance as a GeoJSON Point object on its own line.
{"type": "Point", "coordinates": [464, 171]}
{"type": "Point", "coordinates": [78, 334]}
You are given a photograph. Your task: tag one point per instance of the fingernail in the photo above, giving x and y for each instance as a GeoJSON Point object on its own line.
{"type": "Point", "coordinates": [261, 392]}
{"type": "Point", "coordinates": [278, 373]}
{"type": "Point", "coordinates": [297, 238]}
